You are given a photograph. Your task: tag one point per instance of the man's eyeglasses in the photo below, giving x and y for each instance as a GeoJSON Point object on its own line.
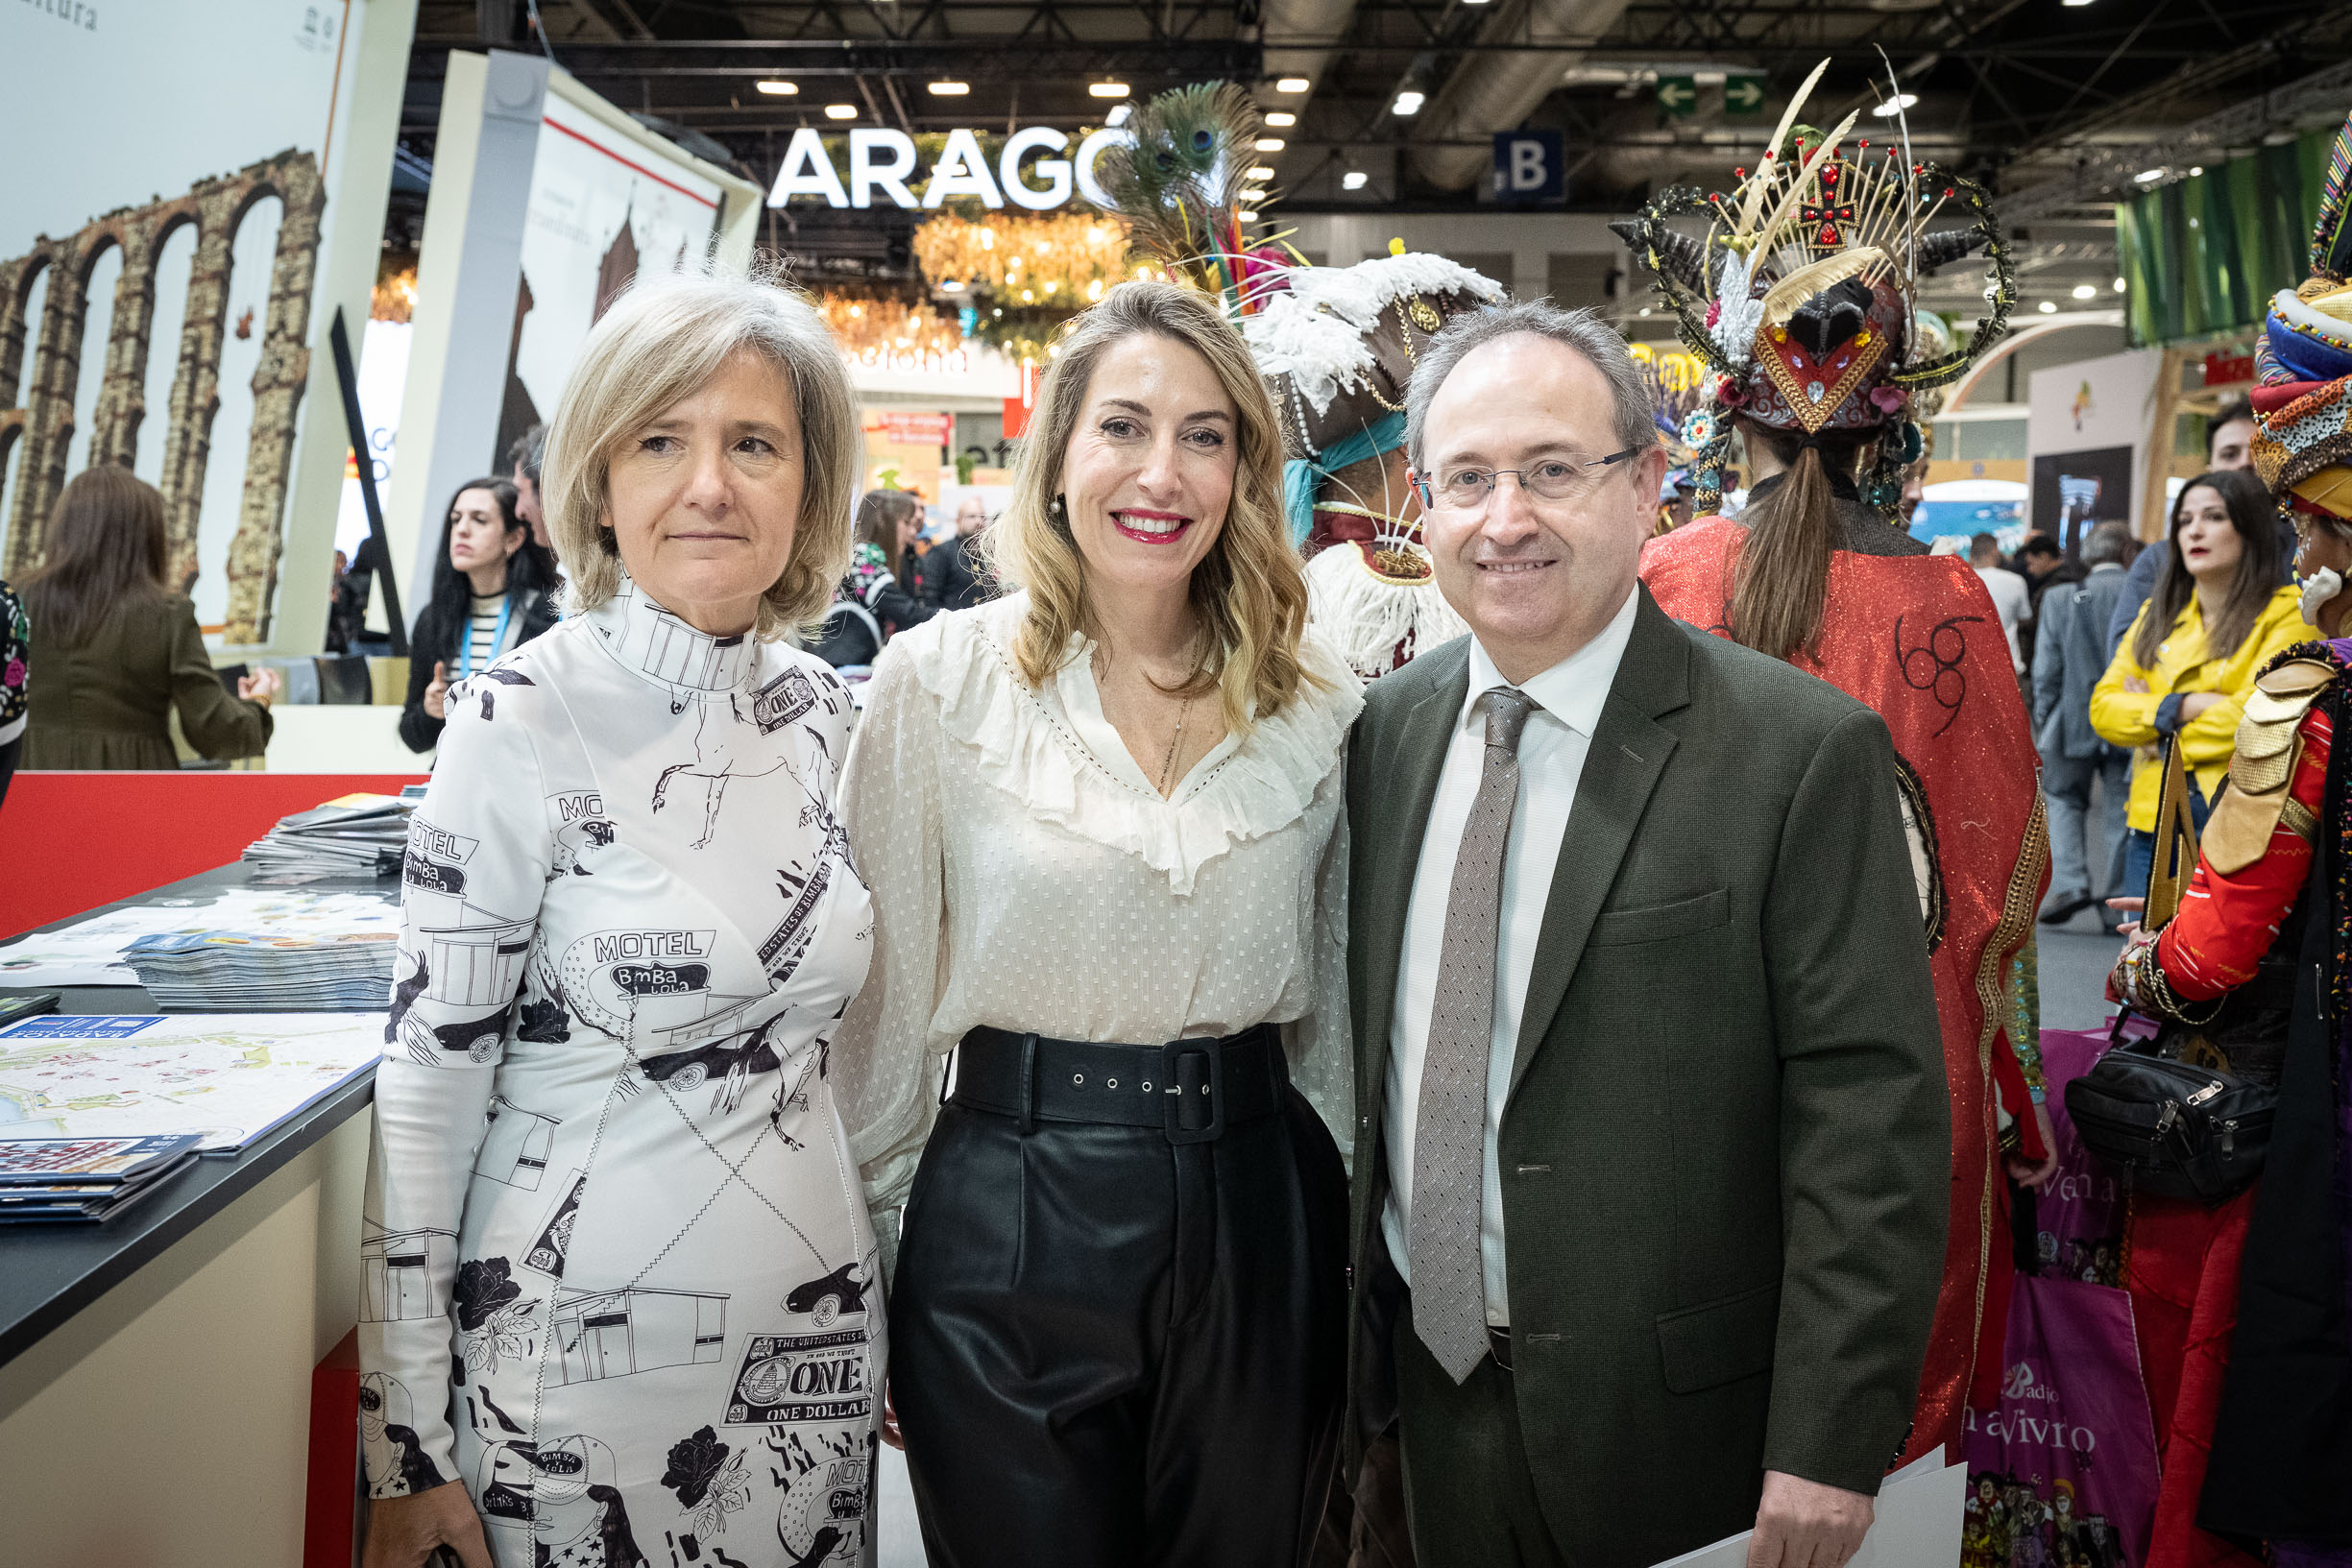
{"type": "Point", "coordinates": [1555, 479]}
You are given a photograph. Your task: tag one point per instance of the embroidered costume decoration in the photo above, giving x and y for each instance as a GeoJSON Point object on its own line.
{"type": "Point", "coordinates": [615, 1265]}
{"type": "Point", "coordinates": [2303, 406]}
{"type": "Point", "coordinates": [1337, 347]}
{"type": "Point", "coordinates": [1800, 292]}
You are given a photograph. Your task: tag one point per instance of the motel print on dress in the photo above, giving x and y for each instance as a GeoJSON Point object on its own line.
{"type": "Point", "coordinates": [617, 1277]}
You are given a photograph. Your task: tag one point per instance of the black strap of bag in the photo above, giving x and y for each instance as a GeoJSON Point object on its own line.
{"type": "Point", "coordinates": [2171, 1127]}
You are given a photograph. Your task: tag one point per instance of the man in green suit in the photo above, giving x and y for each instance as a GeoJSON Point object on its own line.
{"type": "Point", "coordinates": [1651, 1151]}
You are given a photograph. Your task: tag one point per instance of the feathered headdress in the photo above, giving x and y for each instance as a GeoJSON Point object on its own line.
{"type": "Point", "coordinates": [1800, 292]}
{"type": "Point", "coordinates": [2303, 407]}
{"type": "Point", "coordinates": [1180, 182]}
{"type": "Point", "coordinates": [1337, 347]}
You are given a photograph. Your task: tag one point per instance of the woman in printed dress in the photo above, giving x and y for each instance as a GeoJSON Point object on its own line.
{"type": "Point", "coordinates": [620, 1291]}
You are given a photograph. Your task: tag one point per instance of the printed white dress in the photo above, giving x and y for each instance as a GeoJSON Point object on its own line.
{"type": "Point", "coordinates": [618, 1275]}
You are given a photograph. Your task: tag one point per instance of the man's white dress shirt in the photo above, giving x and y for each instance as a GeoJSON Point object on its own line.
{"type": "Point", "coordinates": [1569, 696]}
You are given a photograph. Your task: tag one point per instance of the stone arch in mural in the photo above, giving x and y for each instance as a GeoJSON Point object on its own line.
{"type": "Point", "coordinates": [42, 419]}
{"type": "Point", "coordinates": [16, 281]}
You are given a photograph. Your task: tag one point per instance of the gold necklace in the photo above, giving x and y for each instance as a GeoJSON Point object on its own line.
{"type": "Point", "coordinates": [1168, 763]}
{"type": "Point", "coordinates": [1101, 666]}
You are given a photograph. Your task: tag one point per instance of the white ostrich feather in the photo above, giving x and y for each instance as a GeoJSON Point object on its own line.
{"type": "Point", "coordinates": [1738, 315]}
{"type": "Point", "coordinates": [1314, 332]}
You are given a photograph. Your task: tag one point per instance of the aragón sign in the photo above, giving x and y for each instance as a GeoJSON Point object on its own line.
{"type": "Point", "coordinates": [1035, 168]}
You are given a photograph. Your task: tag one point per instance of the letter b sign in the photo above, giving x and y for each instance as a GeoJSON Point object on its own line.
{"type": "Point", "coordinates": [1528, 170]}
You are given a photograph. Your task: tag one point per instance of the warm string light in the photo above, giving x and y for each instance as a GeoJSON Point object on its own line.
{"type": "Point", "coordinates": [891, 332]}
{"type": "Point", "coordinates": [1057, 258]}
{"type": "Point", "coordinates": [395, 296]}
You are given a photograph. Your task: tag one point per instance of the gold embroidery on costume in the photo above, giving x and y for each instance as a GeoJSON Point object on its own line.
{"type": "Point", "coordinates": [2269, 746]}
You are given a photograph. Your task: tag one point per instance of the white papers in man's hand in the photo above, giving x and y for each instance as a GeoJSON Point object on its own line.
{"type": "Point", "coordinates": [1916, 1523]}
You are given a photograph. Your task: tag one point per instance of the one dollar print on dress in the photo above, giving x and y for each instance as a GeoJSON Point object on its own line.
{"type": "Point", "coordinates": [789, 1378]}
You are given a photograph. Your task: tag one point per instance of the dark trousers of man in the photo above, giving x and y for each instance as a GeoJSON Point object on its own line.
{"type": "Point", "coordinates": [1108, 1350]}
{"type": "Point", "coordinates": [1468, 1491]}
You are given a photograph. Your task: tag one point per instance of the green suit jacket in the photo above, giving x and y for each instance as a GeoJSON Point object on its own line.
{"type": "Point", "coordinates": [1724, 1154]}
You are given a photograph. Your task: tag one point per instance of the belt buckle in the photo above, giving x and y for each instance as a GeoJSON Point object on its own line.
{"type": "Point", "coordinates": [1172, 1105]}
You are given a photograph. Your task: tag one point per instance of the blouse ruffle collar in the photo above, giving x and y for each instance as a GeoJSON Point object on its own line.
{"type": "Point", "coordinates": [656, 645]}
{"type": "Point", "coordinates": [1053, 750]}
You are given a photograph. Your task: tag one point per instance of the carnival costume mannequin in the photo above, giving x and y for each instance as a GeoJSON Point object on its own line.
{"type": "Point", "coordinates": [2254, 1422]}
{"type": "Point", "coordinates": [1799, 296]}
{"type": "Point", "coordinates": [1337, 347]}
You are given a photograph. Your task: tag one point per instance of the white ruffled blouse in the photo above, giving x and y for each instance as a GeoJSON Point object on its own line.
{"type": "Point", "coordinates": [1026, 875]}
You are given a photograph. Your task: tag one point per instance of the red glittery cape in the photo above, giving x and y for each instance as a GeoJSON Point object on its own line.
{"type": "Point", "coordinates": [1916, 639]}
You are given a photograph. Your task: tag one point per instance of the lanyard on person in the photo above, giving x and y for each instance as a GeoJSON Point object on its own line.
{"type": "Point", "coordinates": [498, 638]}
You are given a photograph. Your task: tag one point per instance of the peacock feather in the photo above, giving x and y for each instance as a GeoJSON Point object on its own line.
{"type": "Point", "coordinates": [1180, 181]}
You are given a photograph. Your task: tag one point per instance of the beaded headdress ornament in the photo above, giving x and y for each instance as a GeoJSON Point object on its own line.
{"type": "Point", "coordinates": [1800, 292]}
{"type": "Point", "coordinates": [2303, 403]}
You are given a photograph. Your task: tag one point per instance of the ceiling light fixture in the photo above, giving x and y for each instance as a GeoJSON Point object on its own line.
{"type": "Point", "coordinates": [1282, 119]}
{"type": "Point", "coordinates": [2047, 308]}
{"type": "Point", "coordinates": [840, 111]}
{"type": "Point", "coordinates": [948, 89]}
{"type": "Point", "coordinates": [2149, 177]}
{"type": "Point", "coordinates": [1896, 105]}
{"type": "Point", "coordinates": [1259, 171]}
{"type": "Point", "coordinates": [2086, 291]}
{"type": "Point", "coordinates": [1268, 144]}
{"type": "Point", "coordinates": [778, 90]}
{"type": "Point", "coordinates": [1291, 84]}
{"type": "Point", "coordinates": [2118, 285]}
{"type": "Point", "coordinates": [1106, 89]}
{"type": "Point", "coordinates": [2195, 169]}
{"type": "Point", "coordinates": [1408, 102]}
{"type": "Point", "coordinates": [1354, 179]}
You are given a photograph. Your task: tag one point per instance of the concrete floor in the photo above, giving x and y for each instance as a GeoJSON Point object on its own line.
{"type": "Point", "coordinates": [2074, 960]}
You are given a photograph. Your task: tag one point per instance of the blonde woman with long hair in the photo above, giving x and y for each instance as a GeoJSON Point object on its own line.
{"type": "Point", "coordinates": [1102, 820]}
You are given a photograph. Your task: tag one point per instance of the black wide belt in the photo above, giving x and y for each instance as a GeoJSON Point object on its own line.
{"type": "Point", "coordinates": [1191, 1089]}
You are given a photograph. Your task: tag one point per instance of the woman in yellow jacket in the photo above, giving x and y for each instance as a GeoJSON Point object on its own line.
{"type": "Point", "coordinates": [2183, 670]}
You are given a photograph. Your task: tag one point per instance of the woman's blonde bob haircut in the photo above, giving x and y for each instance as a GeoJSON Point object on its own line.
{"type": "Point", "coordinates": [661, 342]}
{"type": "Point", "coordinates": [1249, 591]}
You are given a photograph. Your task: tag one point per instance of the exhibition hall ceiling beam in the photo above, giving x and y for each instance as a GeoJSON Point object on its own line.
{"type": "Point", "coordinates": [752, 60]}
{"type": "Point", "coordinates": [2102, 173]}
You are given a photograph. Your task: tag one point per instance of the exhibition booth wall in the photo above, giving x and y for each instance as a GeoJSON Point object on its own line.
{"type": "Point", "coordinates": [79, 840]}
{"type": "Point", "coordinates": [165, 300]}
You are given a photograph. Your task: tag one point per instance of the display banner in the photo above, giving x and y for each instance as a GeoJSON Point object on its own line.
{"type": "Point", "coordinates": [2087, 433]}
{"type": "Point", "coordinates": [2204, 254]}
{"type": "Point", "coordinates": [193, 188]}
{"type": "Point", "coordinates": [602, 210]}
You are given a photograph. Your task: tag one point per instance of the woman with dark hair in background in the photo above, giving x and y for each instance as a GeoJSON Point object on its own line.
{"type": "Point", "coordinates": [2218, 613]}
{"type": "Point", "coordinates": [117, 650]}
{"type": "Point", "coordinates": [492, 591]}
{"type": "Point", "coordinates": [870, 607]}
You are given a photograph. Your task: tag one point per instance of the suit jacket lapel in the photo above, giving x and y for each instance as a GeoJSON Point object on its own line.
{"type": "Point", "coordinates": [1409, 759]}
{"type": "Point", "coordinates": [1629, 751]}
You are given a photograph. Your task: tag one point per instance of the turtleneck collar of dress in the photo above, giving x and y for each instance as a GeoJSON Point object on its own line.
{"type": "Point", "coordinates": [652, 643]}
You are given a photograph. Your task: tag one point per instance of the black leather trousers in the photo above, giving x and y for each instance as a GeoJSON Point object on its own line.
{"type": "Point", "coordinates": [1108, 1349]}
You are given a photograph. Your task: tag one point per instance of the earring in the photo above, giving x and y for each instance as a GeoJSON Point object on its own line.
{"type": "Point", "coordinates": [1058, 510]}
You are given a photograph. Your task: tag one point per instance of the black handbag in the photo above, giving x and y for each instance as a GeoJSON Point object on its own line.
{"type": "Point", "coordinates": [2172, 1127]}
